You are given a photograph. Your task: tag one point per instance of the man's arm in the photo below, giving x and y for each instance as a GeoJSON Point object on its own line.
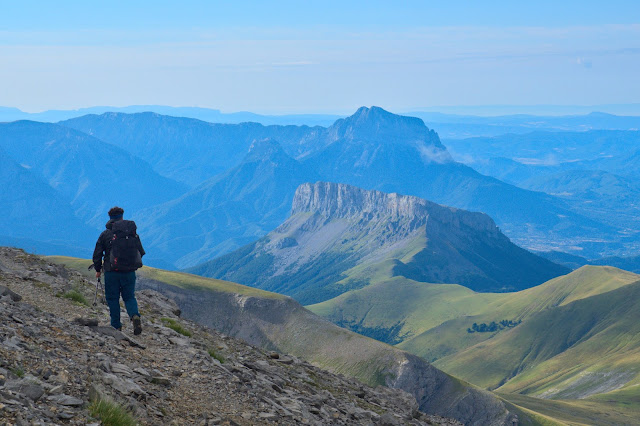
{"type": "Point", "coordinates": [97, 256]}
{"type": "Point", "coordinates": [140, 249]}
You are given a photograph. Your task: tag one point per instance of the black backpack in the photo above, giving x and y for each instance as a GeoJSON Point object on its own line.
{"type": "Point", "coordinates": [124, 255]}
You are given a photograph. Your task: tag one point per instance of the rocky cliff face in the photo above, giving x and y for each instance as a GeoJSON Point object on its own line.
{"type": "Point", "coordinates": [59, 363]}
{"type": "Point", "coordinates": [334, 200]}
{"type": "Point", "coordinates": [338, 236]}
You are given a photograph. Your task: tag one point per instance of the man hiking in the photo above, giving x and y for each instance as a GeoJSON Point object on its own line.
{"type": "Point", "coordinates": [122, 250]}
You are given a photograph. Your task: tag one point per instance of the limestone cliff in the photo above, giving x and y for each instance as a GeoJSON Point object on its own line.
{"type": "Point", "coordinates": [340, 237]}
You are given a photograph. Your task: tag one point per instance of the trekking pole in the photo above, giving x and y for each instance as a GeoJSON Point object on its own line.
{"type": "Point", "coordinates": [95, 298]}
{"type": "Point", "coordinates": [98, 286]}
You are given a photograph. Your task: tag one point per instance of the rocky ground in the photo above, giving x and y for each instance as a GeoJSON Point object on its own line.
{"type": "Point", "coordinates": [57, 355]}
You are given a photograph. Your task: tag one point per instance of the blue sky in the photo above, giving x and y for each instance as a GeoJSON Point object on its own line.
{"type": "Point", "coordinates": [300, 56]}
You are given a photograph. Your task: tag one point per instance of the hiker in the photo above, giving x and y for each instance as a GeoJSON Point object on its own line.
{"type": "Point", "coordinates": [122, 250]}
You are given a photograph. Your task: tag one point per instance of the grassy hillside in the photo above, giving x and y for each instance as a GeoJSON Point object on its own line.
{"type": "Point", "coordinates": [178, 279]}
{"type": "Point", "coordinates": [397, 309]}
{"type": "Point", "coordinates": [574, 336]}
{"type": "Point", "coordinates": [586, 347]}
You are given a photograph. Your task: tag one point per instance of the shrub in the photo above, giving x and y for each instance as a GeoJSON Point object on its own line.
{"type": "Point", "coordinates": [76, 296]}
{"type": "Point", "coordinates": [18, 371]}
{"type": "Point", "coordinates": [111, 414]}
{"type": "Point", "coordinates": [176, 326]}
{"type": "Point", "coordinates": [215, 355]}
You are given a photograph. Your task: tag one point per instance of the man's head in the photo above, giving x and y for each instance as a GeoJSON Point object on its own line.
{"type": "Point", "coordinates": [115, 213]}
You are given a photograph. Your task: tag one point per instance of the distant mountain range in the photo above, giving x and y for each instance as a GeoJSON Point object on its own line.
{"type": "Point", "coordinates": [595, 173]}
{"type": "Point", "coordinates": [34, 215]}
{"type": "Point", "coordinates": [451, 123]}
{"type": "Point", "coordinates": [91, 175]}
{"type": "Point", "coordinates": [205, 114]}
{"type": "Point", "coordinates": [184, 149]}
{"type": "Point", "coordinates": [340, 238]}
{"type": "Point", "coordinates": [372, 149]}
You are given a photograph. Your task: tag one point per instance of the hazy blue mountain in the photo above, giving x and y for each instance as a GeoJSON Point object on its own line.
{"type": "Point", "coordinates": [205, 114]}
{"type": "Point", "coordinates": [595, 193]}
{"type": "Point", "coordinates": [184, 149]}
{"type": "Point", "coordinates": [91, 175]}
{"type": "Point", "coordinates": [630, 263]}
{"type": "Point", "coordinates": [454, 126]}
{"type": "Point", "coordinates": [548, 148]}
{"type": "Point", "coordinates": [340, 237]}
{"type": "Point", "coordinates": [571, 261]}
{"type": "Point", "coordinates": [375, 149]}
{"type": "Point", "coordinates": [594, 172]}
{"type": "Point", "coordinates": [227, 211]}
{"type": "Point", "coordinates": [34, 215]}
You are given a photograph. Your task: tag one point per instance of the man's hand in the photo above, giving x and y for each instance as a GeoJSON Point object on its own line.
{"type": "Point", "coordinates": [98, 273]}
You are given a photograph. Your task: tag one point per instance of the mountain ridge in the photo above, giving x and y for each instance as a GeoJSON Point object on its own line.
{"type": "Point", "coordinates": [339, 237]}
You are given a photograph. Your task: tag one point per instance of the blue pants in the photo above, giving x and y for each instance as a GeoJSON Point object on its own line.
{"type": "Point", "coordinates": [116, 284]}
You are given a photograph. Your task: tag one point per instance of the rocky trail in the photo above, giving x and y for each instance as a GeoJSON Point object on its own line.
{"type": "Point", "coordinates": [59, 356]}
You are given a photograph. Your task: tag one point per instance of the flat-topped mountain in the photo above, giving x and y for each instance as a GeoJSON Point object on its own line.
{"type": "Point", "coordinates": [340, 237]}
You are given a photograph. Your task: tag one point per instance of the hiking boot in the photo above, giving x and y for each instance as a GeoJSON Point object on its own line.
{"type": "Point", "coordinates": [137, 324]}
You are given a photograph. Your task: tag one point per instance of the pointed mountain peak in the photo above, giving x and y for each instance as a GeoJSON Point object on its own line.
{"type": "Point", "coordinates": [378, 125]}
{"type": "Point", "coordinates": [265, 149]}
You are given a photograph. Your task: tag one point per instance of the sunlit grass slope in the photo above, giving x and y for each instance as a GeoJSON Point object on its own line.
{"type": "Point", "coordinates": [451, 336]}
{"type": "Point", "coordinates": [178, 279]}
{"type": "Point", "coordinates": [399, 308]}
{"type": "Point", "coordinates": [585, 347]}
{"type": "Point", "coordinates": [578, 335]}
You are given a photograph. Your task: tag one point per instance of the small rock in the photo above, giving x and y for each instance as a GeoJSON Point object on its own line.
{"type": "Point", "coordinates": [121, 369]}
{"type": "Point", "coordinates": [387, 420]}
{"type": "Point", "coordinates": [30, 390]}
{"type": "Point", "coordinates": [4, 291]}
{"type": "Point", "coordinates": [141, 371]}
{"type": "Point", "coordinates": [65, 416]}
{"type": "Point", "coordinates": [274, 355]}
{"type": "Point", "coordinates": [161, 380]}
{"type": "Point", "coordinates": [66, 400]}
{"type": "Point", "coordinates": [285, 360]}
{"type": "Point", "coordinates": [179, 341]}
{"type": "Point", "coordinates": [268, 416]}
{"type": "Point", "coordinates": [87, 322]}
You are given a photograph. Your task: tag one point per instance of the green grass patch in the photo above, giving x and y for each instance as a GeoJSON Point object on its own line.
{"type": "Point", "coordinates": [76, 296]}
{"type": "Point", "coordinates": [40, 284]}
{"type": "Point", "coordinates": [176, 326]}
{"type": "Point", "coordinates": [215, 355]}
{"type": "Point", "coordinates": [18, 371]}
{"type": "Point", "coordinates": [111, 413]}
